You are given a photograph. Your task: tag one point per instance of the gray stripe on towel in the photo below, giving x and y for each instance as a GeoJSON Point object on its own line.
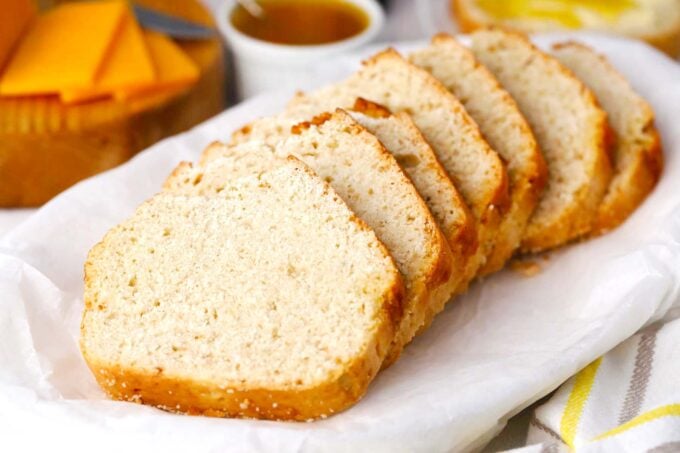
{"type": "Point", "coordinates": [643, 370]}
{"type": "Point", "coordinates": [669, 447]}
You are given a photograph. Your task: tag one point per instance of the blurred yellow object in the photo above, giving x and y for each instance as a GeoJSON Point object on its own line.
{"type": "Point", "coordinates": [15, 18]}
{"type": "Point", "coordinates": [654, 21]}
{"type": "Point", "coordinates": [563, 11]}
{"type": "Point", "coordinates": [51, 57]}
{"type": "Point", "coordinates": [128, 65]}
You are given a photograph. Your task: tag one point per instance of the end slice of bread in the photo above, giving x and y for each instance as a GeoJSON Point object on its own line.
{"type": "Point", "coordinates": [504, 128]}
{"type": "Point", "coordinates": [638, 159]}
{"type": "Point", "coordinates": [571, 130]}
{"type": "Point", "coordinates": [270, 300]}
{"type": "Point", "coordinates": [370, 181]}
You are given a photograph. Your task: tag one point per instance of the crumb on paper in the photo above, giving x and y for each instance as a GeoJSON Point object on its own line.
{"type": "Point", "coordinates": [527, 268]}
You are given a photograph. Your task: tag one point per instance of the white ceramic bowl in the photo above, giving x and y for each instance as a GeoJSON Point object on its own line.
{"type": "Point", "coordinates": [261, 66]}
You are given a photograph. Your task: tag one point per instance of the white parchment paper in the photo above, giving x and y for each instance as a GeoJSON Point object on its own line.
{"type": "Point", "coordinates": [508, 342]}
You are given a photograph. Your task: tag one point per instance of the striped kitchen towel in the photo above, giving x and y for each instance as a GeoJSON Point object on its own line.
{"type": "Point", "coordinates": [626, 401]}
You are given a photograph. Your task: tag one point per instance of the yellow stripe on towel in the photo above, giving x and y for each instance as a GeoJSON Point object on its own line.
{"type": "Point", "coordinates": [583, 385]}
{"type": "Point", "coordinates": [670, 410]}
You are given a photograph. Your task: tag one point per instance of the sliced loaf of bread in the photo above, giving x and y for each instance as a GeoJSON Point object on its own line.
{"type": "Point", "coordinates": [571, 130]}
{"type": "Point", "coordinates": [504, 128]}
{"type": "Point", "coordinates": [370, 181]}
{"type": "Point", "coordinates": [388, 79]}
{"type": "Point", "coordinates": [405, 142]}
{"type": "Point", "coordinates": [270, 300]}
{"type": "Point", "coordinates": [637, 157]}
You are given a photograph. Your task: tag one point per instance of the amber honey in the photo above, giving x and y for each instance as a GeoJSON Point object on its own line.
{"type": "Point", "coordinates": [302, 22]}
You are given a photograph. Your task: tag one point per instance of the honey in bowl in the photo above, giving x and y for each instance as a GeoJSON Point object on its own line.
{"type": "Point", "coordinates": [302, 22]}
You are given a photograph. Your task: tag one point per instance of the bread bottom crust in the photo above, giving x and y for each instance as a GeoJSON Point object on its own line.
{"type": "Point", "coordinates": [193, 397]}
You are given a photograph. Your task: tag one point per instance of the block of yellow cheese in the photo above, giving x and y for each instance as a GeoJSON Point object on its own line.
{"type": "Point", "coordinates": [15, 17]}
{"type": "Point", "coordinates": [174, 69]}
{"type": "Point", "coordinates": [128, 65]}
{"type": "Point", "coordinates": [63, 49]}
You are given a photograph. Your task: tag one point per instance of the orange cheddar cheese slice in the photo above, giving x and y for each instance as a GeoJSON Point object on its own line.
{"type": "Point", "coordinates": [63, 49]}
{"type": "Point", "coordinates": [128, 65]}
{"type": "Point", "coordinates": [15, 17]}
{"type": "Point", "coordinates": [174, 68]}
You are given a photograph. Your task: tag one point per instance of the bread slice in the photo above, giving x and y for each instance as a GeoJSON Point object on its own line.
{"type": "Point", "coordinates": [654, 21]}
{"type": "Point", "coordinates": [404, 141]}
{"type": "Point", "coordinates": [570, 128]}
{"type": "Point", "coordinates": [271, 300]}
{"type": "Point", "coordinates": [269, 130]}
{"type": "Point", "coordinates": [638, 159]}
{"type": "Point", "coordinates": [226, 165]}
{"type": "Point", "coordinates": [504, 128]}
{"type": "Point", "coordinates": [370, 181]}
{"type": "Point", "coordinates": [388, 79]}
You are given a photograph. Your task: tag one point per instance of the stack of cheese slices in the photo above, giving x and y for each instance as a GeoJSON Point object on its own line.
{"type": "Point", "coordinates": [277, 276]}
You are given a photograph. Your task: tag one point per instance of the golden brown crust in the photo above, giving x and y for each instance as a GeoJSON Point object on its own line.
{"type": "Point", "coordinates": [45, 147]}
{"type": "Point", "coordinates": [577, 222]}
{"type": "Point", "coordinates": [182, 394]}
{"type": "Point", "coordinates": [525, 195]}
{"type": "Point", "coordinates": [372, 109]}
{"type": "Point", "coordinates": [176, 172]}
{"type": "Point", "coordinates": [642, 176]}
{"type": "Point", "coordinates": [318, 120]}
